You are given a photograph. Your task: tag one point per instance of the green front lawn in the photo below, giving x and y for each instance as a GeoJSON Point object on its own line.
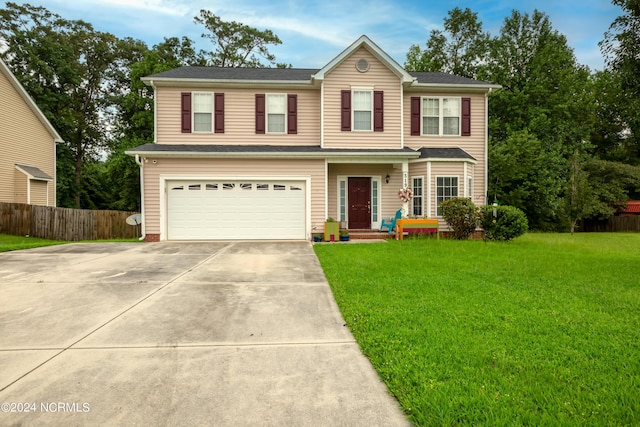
{"type": "Point", "coordinates": [14, 243]}
{"type": "Point", "coordinates": [544, 330]}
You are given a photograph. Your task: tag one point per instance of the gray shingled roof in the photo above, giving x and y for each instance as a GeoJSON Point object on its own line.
{"type": "Point", "coordinates": [209, 148]}
{"type": "Point", "coordinates": [444, 153]}
{"type": "Point", "coordinates": [290, 74]}
{"type": "Point", "coordinates": [225, 73]}
{"type": "Point", "coordinates": [34, 172]}
{"type": "Point", "coordinates": [444, 78]}
{"type": "Point", "coordinates": [425, 153]}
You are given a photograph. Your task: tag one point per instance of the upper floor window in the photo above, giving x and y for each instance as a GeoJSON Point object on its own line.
{"type": "Point", "coordinates": [202, 112]}
{"type": "Point", "coordinates": [441, 116]}
{"type": "Point", "coordinates": [362, 109]}
{"type": "Point", "coordinates": [276, 113]}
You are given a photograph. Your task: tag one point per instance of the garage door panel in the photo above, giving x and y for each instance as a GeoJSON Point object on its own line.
{"type": "Point", "coordinates": [202, 210]}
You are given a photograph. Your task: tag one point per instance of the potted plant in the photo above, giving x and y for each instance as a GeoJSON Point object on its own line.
{"type": "Point", "coordinates": [331, 230]}
{"type": "Point", "coordinates": [344, 235]}
{"type": "Point", "coordinates": [317, 237]}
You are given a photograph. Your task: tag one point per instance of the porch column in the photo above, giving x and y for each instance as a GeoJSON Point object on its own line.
{"type": "Point", "coordinates": [405, 184]}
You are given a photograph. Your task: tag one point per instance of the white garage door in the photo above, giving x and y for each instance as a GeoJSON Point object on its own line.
{"type": "Point", "coordinates": [211, 210]}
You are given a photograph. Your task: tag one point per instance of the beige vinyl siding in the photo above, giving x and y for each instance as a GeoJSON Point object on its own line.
{"type": "Point", "coordinates": [239, 119]}
{"type": "Point", "coordinates": [20, 183]}
{"type": "Point", "coordinates": [232, 168]}
{"type": "Point", "coordinates": [38, 190]}
{"type": "Point", "coordinates": [23, 140]}
{"type": "Point", "coordinates": [474, 144]}
{"type": "Point", "coordinates": [345, 77]}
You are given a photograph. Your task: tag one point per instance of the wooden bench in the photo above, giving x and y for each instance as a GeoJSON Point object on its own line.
{"type": "Point", "coordinates": [430, 225]}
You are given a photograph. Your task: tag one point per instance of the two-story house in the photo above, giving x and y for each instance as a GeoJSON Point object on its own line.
{"type": "Point", "coordinates": [27, 146]}
{"type": "Point", "coordinates": [244, 153]}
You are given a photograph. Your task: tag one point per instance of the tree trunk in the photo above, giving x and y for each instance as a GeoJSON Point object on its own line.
{"type": "Point", "coordinates": [78, 171]}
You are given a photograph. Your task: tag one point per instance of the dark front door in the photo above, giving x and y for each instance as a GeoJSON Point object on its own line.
{"type": "Point", "coordinates": [359, 203]}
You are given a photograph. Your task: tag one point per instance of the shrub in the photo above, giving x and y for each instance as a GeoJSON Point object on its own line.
{"type": "Point", "coordinates": [461, 215]}
{"type": "Point", "coordinates": [509, 222]}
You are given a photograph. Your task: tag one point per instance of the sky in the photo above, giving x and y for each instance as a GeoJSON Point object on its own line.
{"type": "Point", "coordinates": [313, 32]}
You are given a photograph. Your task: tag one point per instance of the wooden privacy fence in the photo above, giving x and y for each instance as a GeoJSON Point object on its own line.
{"type": "Point", "coordinates": [65, 224]}
{"type": "Point", "coordinates": [614, 224]}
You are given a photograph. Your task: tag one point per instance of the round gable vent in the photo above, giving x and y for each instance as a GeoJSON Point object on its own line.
{"type": "Point", "coordinates": [362, 65]}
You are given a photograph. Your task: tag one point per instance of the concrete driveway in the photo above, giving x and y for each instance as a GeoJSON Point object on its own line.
{"type": "Point", "coordinates": [210, 333]}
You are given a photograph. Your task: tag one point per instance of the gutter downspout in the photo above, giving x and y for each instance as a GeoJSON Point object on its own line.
{"type": "Point", "coordinates": [486, 146]}
{"type": "Point", "coordinates": [144, 231]}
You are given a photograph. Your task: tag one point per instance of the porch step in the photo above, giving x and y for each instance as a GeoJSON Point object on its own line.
{"type": "Point", "coordinates": [369, 235]}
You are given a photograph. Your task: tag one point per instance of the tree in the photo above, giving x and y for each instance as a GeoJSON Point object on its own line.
{"type": "Point", "coordinates": [236, 44]}
{"type": "Point", "coordinates": [580, 198]}
{"type": "Point", "coordinates": [612, 184]}
{"type": "Point", "coordinates": [134, 124]}
{"type": "Point", "coordinates": [523, 172]}
{"type": "Point", "coordinates": [621, 48]}
{"type": "Point", "coordinates": [610, 136]}
{"type": "Point", "coordinates": [544, 111]}
{"type": "Point", "coordinates": [66, 66]}
{"type": "Point", "coordinates": [460, 49]}
{"type": "Point", "coordinates": [547, 101]}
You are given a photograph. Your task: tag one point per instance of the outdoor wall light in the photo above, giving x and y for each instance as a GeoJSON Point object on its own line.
{"type": "Point", "coordinates": [387, 179]}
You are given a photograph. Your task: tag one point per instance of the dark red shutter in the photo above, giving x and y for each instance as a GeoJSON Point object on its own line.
{"type": "Point", "coordinates": [415, 116]}
{"type": "Point", "coordinates": [345, 110]}
{"type": "Point", "coordinates": [466, 117]}
{"type": "Point", "coordinates": [186, 112]}
{"type": "Point", "coordinates": [260, 116]}
{"type": "Point", "coordinates": [378, 111]}
{"type": "Point", "coordinates": [219, 113]}
{"type": "Point", "coordinates": [292, 113]}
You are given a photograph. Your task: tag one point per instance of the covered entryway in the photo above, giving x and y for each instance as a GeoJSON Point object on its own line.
{"type": "Point", "coordinates": [236, 209]}
{"type": "Point", "coordinates": [359, 202]}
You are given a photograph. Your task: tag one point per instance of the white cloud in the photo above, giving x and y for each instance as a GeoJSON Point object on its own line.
{"type": "Point", "coordinates": [173, 8]}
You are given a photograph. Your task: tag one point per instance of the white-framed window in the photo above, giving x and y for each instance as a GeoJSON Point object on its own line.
{"type": "Point", "coordinates": [203, 112]}
{"type": "Point", "coordinates": [276, 107]}
{"type": "Point", "coordinates": [375, 200]}
{"type": "Point", "coordinates": [446, 188]}
{"type": "Point", "coordinates": [343, 199]}
{"type": "Point", "coordinates": [362, 110]}
{"type": "Point", "coordinates": [441, 116]}
{"type": "Point", "coordinates": [417, 196]}
{"type": "Point", "coordinates": [470, 187]}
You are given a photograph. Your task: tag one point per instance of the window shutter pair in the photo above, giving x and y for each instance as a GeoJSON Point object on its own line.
{"type": "Point", "coordinates": [218, 112]}
{"type": "Point", "coordinates": [378, 110]}
{"type": "Point", "coordinates": [292, 113]}
{"type": "Point", "coordinates": [465, 118]}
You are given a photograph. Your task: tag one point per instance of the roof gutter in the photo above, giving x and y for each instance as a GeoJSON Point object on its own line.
{"type": "Point", "coordinates": [270, 155]}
